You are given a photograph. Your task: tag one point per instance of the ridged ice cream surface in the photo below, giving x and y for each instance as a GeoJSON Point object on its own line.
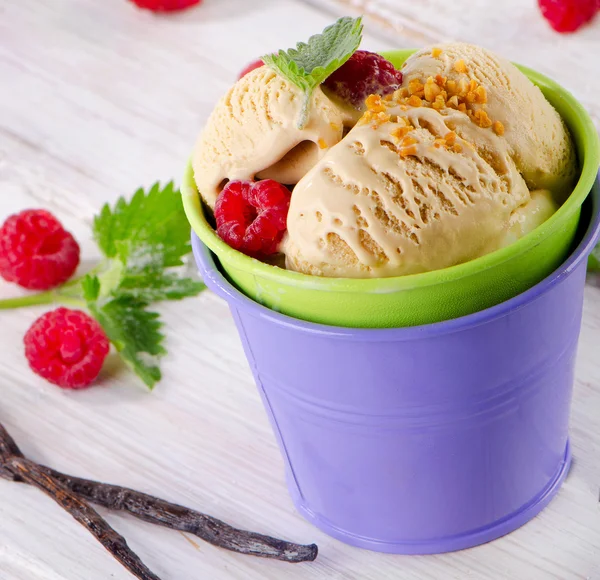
{"type": "Point", "coordinates": [538, 139]}
{"type": "Point", "coordinates": [253, 133]}
{"type": "Point", "coordinates": [404, 196]}
{"type": "Point", "coordinates": [465, 158]}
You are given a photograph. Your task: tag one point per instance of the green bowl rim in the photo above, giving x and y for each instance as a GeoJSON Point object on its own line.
{"type": "Point", "coordinates": [234, 258]}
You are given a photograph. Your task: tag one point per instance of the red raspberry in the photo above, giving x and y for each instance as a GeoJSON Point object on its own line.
{"type": "Point", "coordinates": [568, 15]}
{"type": "Point", "coordinates": [254, 64]}
{"type": "Point", "coordinates": [66, 347]}
{"type": "Point", "coordinates": [363, 74]}
{"type": "Point", "coordinates": [165, 5]}
{"type": "Point", "coordinates": [36, 252]}
{"type": "Point", "coordinates": [251, 216]}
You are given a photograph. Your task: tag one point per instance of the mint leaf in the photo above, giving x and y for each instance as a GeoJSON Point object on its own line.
{"type": "Point", "coordinates": [154, 286]}
{"type": "Point", "coordinates": [144, 241]}
{"type": "Point", "coordinates": [152, 225]}
{"type": "Point", "coordinates": [310, 63]}
{"type": "Point", "coordinates": [132, 329]}
{"type": "Point", "coordinates": [144, 276]}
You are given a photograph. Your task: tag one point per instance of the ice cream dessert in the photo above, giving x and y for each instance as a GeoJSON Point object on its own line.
{"type": "Point", "coordinates": [253, 134]}
{"type": "Point", "coordinates": [537, 138]}
{"type": "Point", "coordinates": [329, 156]}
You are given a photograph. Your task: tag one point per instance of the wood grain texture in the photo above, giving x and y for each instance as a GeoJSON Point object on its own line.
{"type": "Point", "coordinates": [99, 98]}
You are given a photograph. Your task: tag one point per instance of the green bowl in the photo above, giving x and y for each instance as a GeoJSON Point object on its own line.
{"type": "Point", "coordinates": [418, 298]}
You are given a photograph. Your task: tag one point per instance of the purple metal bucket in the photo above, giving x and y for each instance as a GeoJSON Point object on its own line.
{"type": "Point", "coordinates": [426, 439]}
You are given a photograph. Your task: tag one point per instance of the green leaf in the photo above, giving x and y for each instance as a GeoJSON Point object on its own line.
{"type": "Point", "coordinates": [135, 333]}
{"type": "Point", "coordinates": [152, 226]}
{"type": "Point", "coordinates": [594, 260]}
{"type": "Point", "coordinates": [143, 277]}
{"type": "Point", "coordinates": [143, 241]}
{"type": "Point", "coordinates": [310, 63]}
{"type": "Point", "coordinates": [154, 286]}
{"type": "Point", "coordinates": [91, 287]}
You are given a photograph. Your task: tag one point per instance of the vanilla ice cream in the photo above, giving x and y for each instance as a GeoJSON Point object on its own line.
{"type": "Point", "coordinates": [539, 141]}
{"type": "Point", "coordinates": [466, 158]}
{"type": "Point", "coordinates": [530, 215]}
{"type": "Point", "coordinates": [403, 194]}
{"type": "Point", "coordinates": [253, 133]}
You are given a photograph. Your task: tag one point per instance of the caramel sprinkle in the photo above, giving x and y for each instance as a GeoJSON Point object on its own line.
{"type": "Point", "coordinates": [408, 146]}
{"type": "Point", "coordinates": [431, 90]}
{"type": "Point", "coordinates": [400, 132]}
{"type": "Point", "coordinates": [463, 88]}
{"type": "Point", "coordinates": [452, 102]}
{"type": "Point", "coordinates": [480, 95]}
{"type": "Point", "coordinates": [415, 86]}
{"type": "Point", "coordinates": [401, 93]}
{"type": "Point", "coordinates": [414, 101]}
{"type": "Point", "coordinates": [465, 95]}
{"type": "Point", "coordinates": [448, 141]}
{"type": "Point", "coordinates": [482, 119]}
{"type": "Point", "coordinates": [498, 128]}
{"type": "Point", "coordinates": [322, 143]}
{"type": "Point", "coordinates": [376, 118]}
{"type": "Point", "coordinates": [410, 150]}
{"type": "Point", "coordinates": [375, 104]}
{"type": "Point", "coordinates": [460, 66]}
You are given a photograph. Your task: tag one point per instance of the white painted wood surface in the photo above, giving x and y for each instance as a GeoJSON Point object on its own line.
{"type": "Point", "coordinates": [98, 98]}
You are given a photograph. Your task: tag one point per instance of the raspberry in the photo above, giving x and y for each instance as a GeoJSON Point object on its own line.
{"type": "Point", "coordinates": [568, 15]}
{"type": "Point", "coordinates": [165, 5]}
{"type": "Point", "coordinates": [363, 74]}
{"type": "Point", "coordinates": [254, 64]}
{"type": "Point", "coordinates": [251, 216]}
{"type": "Point", "coordinates": [36, 252]}
{"type": "Point", "coordinates": [66, 347]}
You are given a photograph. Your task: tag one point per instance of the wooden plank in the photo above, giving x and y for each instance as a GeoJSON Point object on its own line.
{"type": "Point", "coordinates": [98, 99]}
{"type": "Point", "coordinates": [513, 28]}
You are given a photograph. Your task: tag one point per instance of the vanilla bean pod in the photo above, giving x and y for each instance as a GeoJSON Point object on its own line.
{"type": "Point", "coordinates": [161, 512]}
{"type": "Point", "coordinates": [13, 465]}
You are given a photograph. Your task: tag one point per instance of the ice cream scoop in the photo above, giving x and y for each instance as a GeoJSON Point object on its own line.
{"type": "Point", "coordinates": [538, 140]}
{"type": "Point", "coordinates": [421, 298]}
{"type": "Point", "coordinates": [529, 216]}
{"type": "Point", "coordinates": [253, 133]}
{"type": "Point", "coordinates": [403, 193]}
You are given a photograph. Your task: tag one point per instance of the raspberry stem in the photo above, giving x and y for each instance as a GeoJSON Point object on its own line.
{"type": "Point", "coordinates": [50, 297]}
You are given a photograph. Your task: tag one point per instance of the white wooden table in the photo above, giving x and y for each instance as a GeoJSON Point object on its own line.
{"type": "Point", "coordinates": [98, 98]}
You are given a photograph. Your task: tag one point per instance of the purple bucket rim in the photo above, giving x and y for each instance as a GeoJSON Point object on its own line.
{"type": "Point", "coordinates": [215, 280]}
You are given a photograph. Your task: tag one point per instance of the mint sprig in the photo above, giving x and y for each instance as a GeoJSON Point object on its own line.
{"type": "Point", "coordinates": [147, 229]}
{"type": "Point", "coordinates": [143, 241]}
{"type": "Point", "coordinates": [310, 63]}
{"type": "Point", "coordinates": [132, 329]}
